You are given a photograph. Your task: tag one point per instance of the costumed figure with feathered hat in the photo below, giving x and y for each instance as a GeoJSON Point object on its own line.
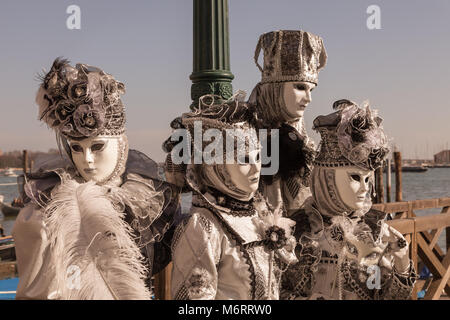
{"type": "Point", "coordinates": [346, 250]}
{"type": "Point", "coordinates": [98, 222]}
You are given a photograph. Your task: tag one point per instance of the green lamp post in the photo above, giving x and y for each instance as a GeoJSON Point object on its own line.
{"type": "Point", "coordinates": [211, 60]}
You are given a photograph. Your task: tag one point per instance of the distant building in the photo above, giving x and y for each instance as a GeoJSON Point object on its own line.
{"type": "Point", "coordinates": [442, 157]}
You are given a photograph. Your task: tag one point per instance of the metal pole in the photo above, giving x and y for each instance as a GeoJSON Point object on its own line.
{"type": "Point", "coordinates": [210, 75]}
{"type": "Point", "coordinates": [211, 60]}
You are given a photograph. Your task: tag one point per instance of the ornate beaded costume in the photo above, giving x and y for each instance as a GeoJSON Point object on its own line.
{"type": "Point", "coordinates": [345, 253]}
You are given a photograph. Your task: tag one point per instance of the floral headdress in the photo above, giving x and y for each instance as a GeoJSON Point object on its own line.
{"type": "Point", "coordinates": [351, 136]}
{"type": "Point", "coordinates": [82, 101]}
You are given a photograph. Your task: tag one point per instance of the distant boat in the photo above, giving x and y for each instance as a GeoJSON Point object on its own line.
{"type": "Point", "coordinates": [7, 210]}
{"type": "Point", "coordinates": [7, 249]}
{"type": "Point", "coordinates": [9, 173]}
{"type": "Point", "coordinates": [414, 169]}
{"type": "Point", "coordinates": [410, 168]}
{"type": "Point", "coordinates": [441, 166]}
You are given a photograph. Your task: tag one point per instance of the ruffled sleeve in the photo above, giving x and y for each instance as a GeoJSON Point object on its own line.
{"type": "Point", "coordinates": [36, 273]}
{"type": "Point", "coordinates": [399, 286]}
{"type": "Point", "coordinates": [196, 251]}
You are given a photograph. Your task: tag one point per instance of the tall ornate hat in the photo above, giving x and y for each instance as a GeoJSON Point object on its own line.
{"type": "Point", "coordinates": [351, 136]}
{"type": "Point", "coordinates": [81, 101]}
{"type": "Point", "coordinates": [290, 55]}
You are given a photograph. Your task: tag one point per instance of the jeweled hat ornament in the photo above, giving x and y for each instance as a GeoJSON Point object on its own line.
{"type": "Point", "coordinates": [290, 55]}
{"type": "Point", "coordinates": [82, 101]}
{"type": "Point", "coordinates": [351, 136]}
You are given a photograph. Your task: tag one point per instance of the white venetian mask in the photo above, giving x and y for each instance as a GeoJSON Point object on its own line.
{"type": "Point", "coordinates": [98, 158]}
{"type": "Point", "coordinates": [297, 96]}
{"type": "Point", "coordinates": [358, 241]}
{"type": "Point", "coordinates": [364, 251]}
{"type": "Point", "coordinates": [353, 185]}
{"type": "Point", "coordinates": [246, 175]}
{"type": "Point", "coordinates": [242, 178]}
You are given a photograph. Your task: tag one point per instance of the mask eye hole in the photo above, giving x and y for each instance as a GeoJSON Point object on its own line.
{"type": "Point", "coordinates": [355, 177]}
{"type": "Point", "coordinates": [76, 148]}
{"type": "Point", "coordinates": [366, 179]}
{"type": "Point", "coordinates": [97, 146]}
{"type": "Point", "coordinates": [300, 87]}
{"type": "Point", "coordinates": [372, 256]}
{"type": "Point", "coordinates": [246, 160]}
{"type": "Point", "coordinates": [352, 249]}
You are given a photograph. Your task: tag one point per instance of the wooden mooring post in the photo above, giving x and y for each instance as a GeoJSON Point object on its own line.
{"type": "Point", "coordinates": [398, 176]}
{"type": "Point", "coordinates": [25, 161]}
{"type": "Point", "coordinates": [388, 180]}
{"type": "Point", "coordinates": [379, 185]}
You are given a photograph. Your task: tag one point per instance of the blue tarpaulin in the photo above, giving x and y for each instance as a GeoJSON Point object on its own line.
{"type": "Point", "coordinates": [8, 288]}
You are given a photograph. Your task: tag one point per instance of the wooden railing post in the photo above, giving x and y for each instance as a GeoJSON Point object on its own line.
{"type": "Point", "coordinates": [414, 258]}
{"type": "Point", "coordinates": [162, 283]}
{"type": "Point", "coordinates": [447, 230]}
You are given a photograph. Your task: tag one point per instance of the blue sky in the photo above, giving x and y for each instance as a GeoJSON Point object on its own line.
{"type": "Point", "coordinates": [403, 69]}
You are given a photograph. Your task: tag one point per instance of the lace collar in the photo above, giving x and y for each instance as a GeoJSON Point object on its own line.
{"type": "Point", "coordinates": [237, 207]}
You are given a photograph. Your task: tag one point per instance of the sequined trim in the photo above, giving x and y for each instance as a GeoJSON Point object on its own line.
{"type": "Point", "coordinates": [200, 284]}
{"type": "Point", "coordinates": [290, 55]}
{"type": "Point", "coordinates": [351, 282]}
{"type": "Point", "coordinates": [205, 223]}
{"type": "Point", "coordinates": [182, 294]}
{"type": "Point", "coordinates": [260, 287]}
{"type": "Point", "coordinates": [178, 233]}
{"type": "Point", "coordinates": [237, 208]}
{"type": "Point", "coordinates": [401, 285]}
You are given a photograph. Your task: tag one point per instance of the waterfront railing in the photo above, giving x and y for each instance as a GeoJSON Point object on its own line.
{"type": "Point", "coordinates": [423, 234]}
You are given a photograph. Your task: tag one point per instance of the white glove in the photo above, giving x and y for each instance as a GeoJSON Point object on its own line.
{"type": "Point", "coordinates": [398, 248]}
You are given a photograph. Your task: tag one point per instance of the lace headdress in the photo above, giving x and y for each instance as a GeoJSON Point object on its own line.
{"type": "Point", "coordinates": [234, 119]}
{"type": "Point", "coordinates": [82, 101]}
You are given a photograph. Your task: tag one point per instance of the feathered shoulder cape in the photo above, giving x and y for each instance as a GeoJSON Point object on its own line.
{"type": "Point", "coordinates": [105, 232]}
